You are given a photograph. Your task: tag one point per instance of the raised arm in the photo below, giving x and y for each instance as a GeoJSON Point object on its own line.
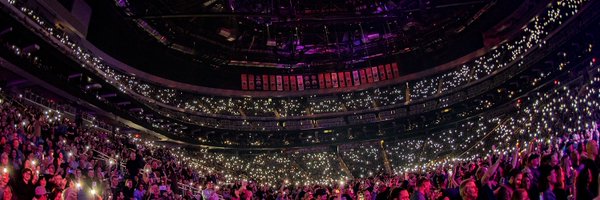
{"type": "Point", "coordinates": [515, 157]}
{"type": "Point", "coordinates": [491, 170]}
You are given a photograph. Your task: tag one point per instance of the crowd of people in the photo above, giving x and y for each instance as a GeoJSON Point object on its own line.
{"type": "Point", "coordinates": [48, 156]}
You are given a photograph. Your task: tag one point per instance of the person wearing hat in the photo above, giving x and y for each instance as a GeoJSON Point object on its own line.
{"type": "Point", "coordinates": [209, 191]}
{"type": "Point", "coordinates": [40, 193]}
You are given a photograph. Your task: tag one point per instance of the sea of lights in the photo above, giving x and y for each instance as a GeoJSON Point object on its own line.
{"type": "Point", "coordinates": [533, 35]}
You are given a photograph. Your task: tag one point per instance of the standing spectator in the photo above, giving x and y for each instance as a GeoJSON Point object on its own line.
{"type": "Point", "coordinates": [547, 181]}
{"type": "Point", "coordinates": [468, 190]}
{"type": "Point", "coordinates": [40, 193]}
{"type": "Point", "coordinates": [533, 162]}
{"type": "Point", "coordinates": [422, 189]}
{"type": "Point", "coordinates": [209, 191]}
{"type": "Point", "coordinates": [139, 192]}
{"type": "Point", "coordinates": [134, 164]}
{"type": "Point", "coordinates": [591, 161]}
{"type": "Point", "coordinates": [488, 181]}
{"type": "Point", "coordinates": [520, 194]}
{"type": "Point", "coordinates": [403, 195]}
{"type": "Point", "coordinates": [320, 194]}
{"type": "Point", "coordinates": [24, 187]}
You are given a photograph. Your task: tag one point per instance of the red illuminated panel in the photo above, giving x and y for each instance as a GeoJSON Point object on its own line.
{"type": "Point", "coordinates": [356, 78]}
{"type": "Point", "coordinates": [321, 81]}
{"type": "Point", "coordinates": [250, 82]}
{"type": "Point", "coordinates": [293, 83]}
{"type": "Point", "coordinates": [273, 82]}
{"type": "Point", "coordinates": [363, 76]}
{"type": "Point", "coordinates": [348, 78]}
{"type": "Point", "coordinates": [334, 79]}
{"type": "Point", "coordinates": [395, 70]}
{"type": "Point", "coordinates": [341, 79]}
{"type": "Point", "coordinates": [300, 82]}
{"type": "Point", "coordinates": [327, 80]}
{"type": "Point", "coordinates": [381, 70]}
{"type": "Point", "coordinates": [279, 83]}
{"type": "Point", "coordinates": [265, 82]}
{"type": "Point", "coordinates": [375, 74]}
{"type": "Point", "coordinates": [369, 75]}
{"type": "Point", "coordinates": [286, 83]}
{"type": "Point", "coordinates": [244, 82]}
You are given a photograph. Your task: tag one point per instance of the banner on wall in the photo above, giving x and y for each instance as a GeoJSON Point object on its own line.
{"type": "Point", "coordinates": [375, 74]}
{"type": "Point", "coordinates": [293, 83]}
{"type": "Point", "coordinates": [250, 82]}
{"type": "Point", "coordinates": [265, 82]}
{"type": "Point", "coordinates": [395, 70]}
{"type": "Point", "coordinates": [340, 79]}
{"type": "Point", "coordinates": [369, 75]}
{"type": "Point", "coordinates": [286, 83]}
{"type": "Point", "coordinates": [307, 84]}
{"type": "Point", "coordinates": [334, 80]}
{"type": "Point", "coordinates": [363, 76]}
{"type": "Point", "coordinates": [381, 70]}
{"type": "Point", "coordinates": [321, 81]}
{"type": "Point", "coordinates": [327, 80]}
{"type": "Point", "coordinates": [279, 83]}
{"type": "Point", "coordinates": [388, 70]}
{"type": "Point", "coordinates": [273, 82]}
{"type": "Point", "coordinates": [348, 79]}
{"type": "Point", "coordinates": [313, 81]}
{"type": "Point", "coordinates": [300, 80]}
{"type": "Point", "coordinates": [244, 82]}
{"type": "Point", "coordinates": [356, 78]}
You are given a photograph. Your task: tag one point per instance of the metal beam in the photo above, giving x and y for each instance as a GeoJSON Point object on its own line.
{"type": "Point", "coordinates": [6, 31]}
{"type": "Point", "coordinates": [93, 86]}
{"type": "Point", "coordinates": [124, 103]}
{"type": "Point", "coordinates": [136, 110]}
{"type": "Point", "coordinates": [108, 95]}
{"type": "Point", "coordinates": [19, 71]}
{"type": "Point", "coordinates": [31, 48]}
{"type": "Point", "coordinates": [72, 76]}
{"type": "Point", "coordinates": [276, 18]}
{"type": "Point", "coordinates": [17, 82]}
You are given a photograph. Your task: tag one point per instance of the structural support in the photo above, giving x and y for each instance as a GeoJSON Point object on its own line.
{"type": "Point", "coordinates": [124, 103]}
{"type": "Point", "coordinates": [302, 169]}
{"type": "Point", "coordinates": [343, 165]}
{"type": "Point", "coordinates": [386, 161]}
{"type": "Point", "coordinates": [107, 95]}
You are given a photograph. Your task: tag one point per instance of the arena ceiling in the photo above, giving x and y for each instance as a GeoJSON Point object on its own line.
{"type": "Point", "coordinates": [499, 78]}
{"type": "Point", "coordinates": [210, 42]}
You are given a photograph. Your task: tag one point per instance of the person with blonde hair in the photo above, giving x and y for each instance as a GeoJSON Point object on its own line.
{"type": "Point", "coordinates": [468, 190]}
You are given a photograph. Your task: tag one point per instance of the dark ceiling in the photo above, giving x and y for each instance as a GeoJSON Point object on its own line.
{"type": "Point", "coordinates": [211, 42]}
